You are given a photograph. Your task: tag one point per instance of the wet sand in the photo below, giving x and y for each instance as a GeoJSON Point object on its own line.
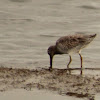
{"type": "Point", "coordinates": [20, 94]}
{"type": "Point", "coordinates": [57, 81]}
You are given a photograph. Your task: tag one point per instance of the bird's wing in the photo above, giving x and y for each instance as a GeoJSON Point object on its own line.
{"type": "Point", "coordinates": [69, 42]}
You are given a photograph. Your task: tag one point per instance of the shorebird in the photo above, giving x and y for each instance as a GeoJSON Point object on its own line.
{"type": "Point", "coordinates": [69, 45]}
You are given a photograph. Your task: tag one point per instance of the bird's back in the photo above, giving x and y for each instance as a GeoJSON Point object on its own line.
{"type": "Point", "coordinates": [73, 43]}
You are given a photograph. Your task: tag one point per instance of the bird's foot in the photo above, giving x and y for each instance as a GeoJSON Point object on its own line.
{"type": "Point", "coordinates": [50, 68]}
{"type": "Point", "coordinates": [69, 71]}
{"type": "Point", "coordinates": [81, 72]}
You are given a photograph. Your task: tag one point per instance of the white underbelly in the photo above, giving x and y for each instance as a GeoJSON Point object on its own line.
{"type": "Point", "coordinates": [71, 50]}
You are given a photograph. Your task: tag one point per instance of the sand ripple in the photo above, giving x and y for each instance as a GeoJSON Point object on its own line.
{"type": "Point", "coordinates": [57, 80]}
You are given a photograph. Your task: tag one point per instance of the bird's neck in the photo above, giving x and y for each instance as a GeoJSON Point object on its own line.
{"type": "Point", "coordinates": [57, 51]}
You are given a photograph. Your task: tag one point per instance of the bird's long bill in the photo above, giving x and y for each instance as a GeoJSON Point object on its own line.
{"type": "Point", "coordinates": [51, 59]}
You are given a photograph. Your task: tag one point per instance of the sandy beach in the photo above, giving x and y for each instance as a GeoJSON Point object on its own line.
{"type": "Point", "coordinates": [27, 29]}
{"type": "Point", "coordinates": [57, 81]}
{"type": "Point", "coordinates": [33, 95]}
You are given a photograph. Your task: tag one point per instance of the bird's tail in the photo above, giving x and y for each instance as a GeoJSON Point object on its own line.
{"type": "Point", "coordinates": [92, 36]}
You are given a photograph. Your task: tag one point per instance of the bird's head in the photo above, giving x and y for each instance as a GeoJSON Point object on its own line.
{"type": "Point", "coordinates": [51, 50]}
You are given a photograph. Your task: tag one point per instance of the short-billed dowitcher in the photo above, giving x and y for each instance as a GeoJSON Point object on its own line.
{"type": "Point", "coordinates": [68, 45]}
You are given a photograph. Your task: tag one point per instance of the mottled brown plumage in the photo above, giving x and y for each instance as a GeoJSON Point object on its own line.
{"type": "Point", "coordinates": [68, 45]}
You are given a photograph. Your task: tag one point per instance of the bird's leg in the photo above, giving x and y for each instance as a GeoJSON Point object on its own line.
{"type": "Point", "coordinates": [69, 63]}
{"type": "Point", "coordinates": [81, 63]}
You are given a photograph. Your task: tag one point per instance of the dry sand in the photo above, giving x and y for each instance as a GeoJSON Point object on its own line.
{"type": "Point", "coordinates": [57, 81]}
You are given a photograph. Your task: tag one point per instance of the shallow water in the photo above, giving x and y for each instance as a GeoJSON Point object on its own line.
{"type": "Point", "coordinates": [29, 27]}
